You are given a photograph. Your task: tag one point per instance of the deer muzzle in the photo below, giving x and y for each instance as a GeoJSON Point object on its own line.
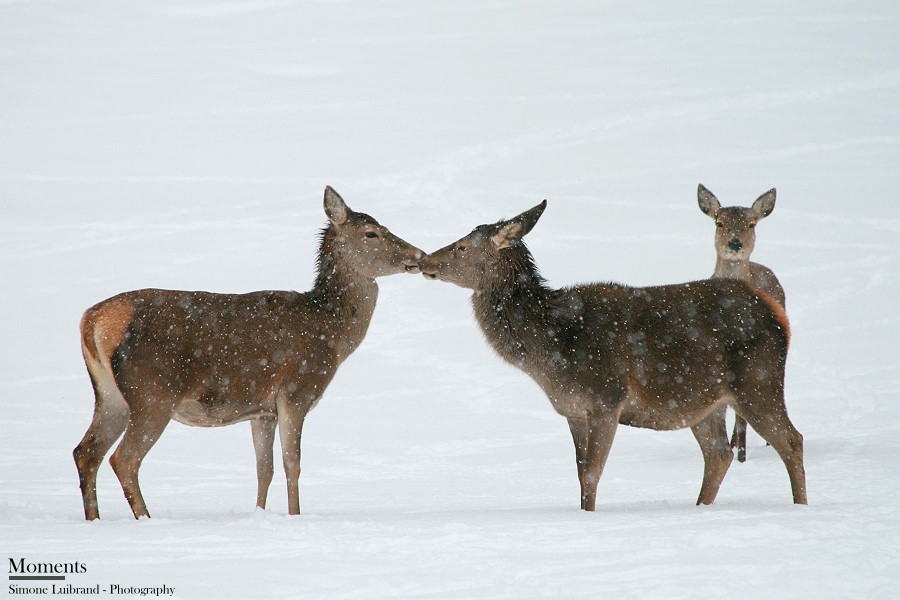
{"type": "Point", "coordinates": [411, 265]}
{"type": "Point", "coordinates": [428, 267]}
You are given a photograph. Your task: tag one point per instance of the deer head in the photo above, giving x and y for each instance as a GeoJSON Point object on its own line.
{"type": "Point", "coordinates": [735, 225]}
{"type": "Point", "coordinates": [466, 261]}
{"type": "Point", "coordinates": [364, 244]}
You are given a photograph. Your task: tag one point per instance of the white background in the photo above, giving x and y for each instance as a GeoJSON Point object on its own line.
{"type": "Point", "coordinates": [186, 145]}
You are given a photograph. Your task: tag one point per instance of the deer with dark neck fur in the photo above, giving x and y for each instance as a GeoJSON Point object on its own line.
{"type": "Point", "coordinates": [735, 241]}
{"type": "Point", "coordinates": [665, 357]}
{"type": "Point", "coordinates": [209, 360]}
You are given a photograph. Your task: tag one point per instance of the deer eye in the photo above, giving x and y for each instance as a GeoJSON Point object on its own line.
{"type": "Point", "coordinates": [371, 234]}
{"type": "Point", "coordinates": [462, 248]}
{"type": "Point", "coordinates": [720, 224]}
{"type": "Point", "coordinates": [752, 225]}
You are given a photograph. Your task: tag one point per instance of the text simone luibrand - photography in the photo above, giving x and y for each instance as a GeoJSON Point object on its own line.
{"type": "Point", "coordinates": [33, 578]}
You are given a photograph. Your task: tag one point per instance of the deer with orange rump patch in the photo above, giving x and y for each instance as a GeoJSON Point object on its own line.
{"type": "Point", "coordinates": [209, 360]}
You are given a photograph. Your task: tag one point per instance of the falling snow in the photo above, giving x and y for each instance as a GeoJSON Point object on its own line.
{"type": "Point", "coordinates": [186, 146]}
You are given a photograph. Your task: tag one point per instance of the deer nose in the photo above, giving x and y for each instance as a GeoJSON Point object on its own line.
{"type": "Point", "coordinates": [426, 268]}
{"type": "Point", "coordinates": [735, 245]}
{"type": "Point", "coordinates": [412, 264]}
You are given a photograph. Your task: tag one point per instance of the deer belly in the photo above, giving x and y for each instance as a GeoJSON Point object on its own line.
{"type": "Point", "coordinates": [203, 414]}
{"type": "Point", "coordinates": [568, 405]}
{"type": "Point", "coordinates": [666, 414]}
{"type": "Point", "coordinates": [651, 419]}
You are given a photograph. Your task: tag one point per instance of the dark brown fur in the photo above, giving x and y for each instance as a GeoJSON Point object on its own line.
{"type": "Point", "coordinates": [664, 357]}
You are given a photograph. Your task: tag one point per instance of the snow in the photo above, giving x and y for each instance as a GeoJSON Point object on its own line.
{"type": "Point", "coordinates": [186, 145]}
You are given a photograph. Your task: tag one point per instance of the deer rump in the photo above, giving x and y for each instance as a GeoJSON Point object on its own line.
{"type": "Point", "coordinates": [216, 359]}
{"type": "Point", "coordinates": [665, 356]}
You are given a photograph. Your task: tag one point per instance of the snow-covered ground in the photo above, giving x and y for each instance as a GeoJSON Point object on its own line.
{"type": "Point", "coordinates": [186, 144]}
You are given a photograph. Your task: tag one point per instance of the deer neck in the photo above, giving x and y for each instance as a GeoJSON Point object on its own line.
{"type": "Point", "coordinates": [513, 309]}
{"type": "Point", "coordinates": [344, 298]}
{"type": "Point", "coordinates": [734, 269]}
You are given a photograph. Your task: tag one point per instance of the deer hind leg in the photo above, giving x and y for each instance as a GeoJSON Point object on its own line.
{"type": "Point", "coordinates": [739, 438]}
{"type": "Point", "coordinates": [712, 436]}
{"type": "Point", "coordinates": [579, 428]}
{"type": "Point", "coordinates": [764, 410]}
{"type": "Point", "coordinates": [263, 430]}
{"type": "Point", "coordinates": [109, 421]}
{"type": "Point", "coordinates": [144, 429]}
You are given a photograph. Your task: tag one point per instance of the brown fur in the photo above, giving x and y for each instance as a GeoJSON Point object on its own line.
{"type": "Point", "coordinates": [664, 357]}
{"type": "Point", "coordinates": [208, 359]}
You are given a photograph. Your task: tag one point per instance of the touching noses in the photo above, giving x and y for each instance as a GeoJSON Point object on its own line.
{"type": "Point", "coordinates": [427, 268]}
{"type": "Point", "coordinates": [412, 265]}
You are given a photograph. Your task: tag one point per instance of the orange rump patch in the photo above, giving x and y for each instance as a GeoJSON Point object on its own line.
{"type": "Point", "coordinates": [778, 310]}
{"type": "Point", "coordinates": [103, 327]}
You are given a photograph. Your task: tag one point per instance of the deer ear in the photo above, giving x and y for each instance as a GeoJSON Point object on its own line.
{"type": "Point", "coordinates": [516, 228]}
{"type": "Point", "coordinates": [764, 205]}
{"type": "Point", "coordinates": [707, 201]}
{"type": "Point", "coordinates": [335, 207]}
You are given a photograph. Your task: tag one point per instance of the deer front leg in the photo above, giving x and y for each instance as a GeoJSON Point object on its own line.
{"type": "Point", "coordinates": [601, 432]}
{"type": "Point", "coordinates": [579, 427]}
{"type": "Point", "coordinates": [263, 431]}
{"type": "Point", "coordinates": [290, 429]}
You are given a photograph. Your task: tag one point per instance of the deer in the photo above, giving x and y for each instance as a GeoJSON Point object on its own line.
{"type": "Point", "coordinates": [207, 359]}
{"type": "Point", "coordinates": [605, 354]}
{"type": "Point", "coordinates": [735, 240]}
